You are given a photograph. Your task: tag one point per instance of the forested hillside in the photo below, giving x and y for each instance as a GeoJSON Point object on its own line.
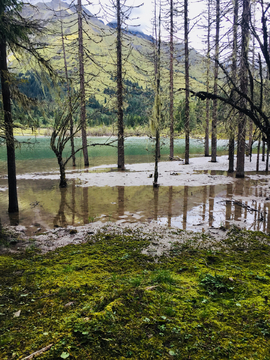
{"type": "Point", "coordinates": [100, 65]}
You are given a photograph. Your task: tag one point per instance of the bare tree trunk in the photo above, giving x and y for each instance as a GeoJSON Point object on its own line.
{"type": "Point", "coordinates": [241, 148]}
{"type": "Point", "coordinates": [207, 105]}
{"type": "Point", "coordinates": [187, 129]}
{"type": "Point", "coordinates": [8, 125]}
{"type": "Point", "coordinates": [214, 120]}
{"type": "Point", "coordinates": [63, 181]}
{"type": "Point", "coordinates": [231, 154]}
{"type": "Point", "coordinates": [82, 88]}
{"type": "Point", "coordinates": [121, 157]}
{"type": "Point", "coordinates": [267, 159]}
{"type": "Point", "coordinates": [157, 112]}
{"type": "Point", "coordinates": [185, 207]}
{"type": "Point", "coordinates": [250, 139]}
{"type": "Point", "coordinates": [155, 183]}
{"type": "Point", "coordinates": [258, 154]}
{"type": "Point", "coordinates": [250, 122]}
{"type": "Point", "coordinates": [263, 149]}
{"type": "Point", "coordinates": [68, 92]}
{"type": "Point", "coordinates": [171, 82]}
{"type": "Point", "coordinates": [234, 70]}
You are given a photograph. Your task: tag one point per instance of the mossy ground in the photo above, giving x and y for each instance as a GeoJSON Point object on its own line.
{"type": "Point", "coordinates": [106, 300]}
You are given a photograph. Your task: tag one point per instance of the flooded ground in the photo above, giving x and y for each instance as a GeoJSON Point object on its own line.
{"type": "Point", "coordinates": [95, 195]}
{"type": "Point", "coordinates": [43, 205]}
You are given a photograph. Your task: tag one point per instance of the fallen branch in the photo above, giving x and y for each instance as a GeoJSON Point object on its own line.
{"type": "Point", "coordinates": [249, 208]}
{"type": "Point", "coordinates": [39, 352]}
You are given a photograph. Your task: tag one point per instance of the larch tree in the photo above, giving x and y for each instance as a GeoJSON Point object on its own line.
{"type": "Point", "coordinates": [120, 11]}
{"type": "Point", "coordinates": [68, 89]}
{"type": "Point", "coordinates": [171, 80]}
{"type": "Point", "coordinates": [250, 95]}
{"type": "Point", "coordinates": [120, 112]}
{"type": "Point", "coordinates": [214, 116]}
{"type": "Point", "coordinates": [17, 35]}
{"type": "Point", "coordinates": [187, 95]}
{"type": "Point", "coordinates": [234, 74]}
{"type": "Point", "coordinates": [208, 62]}
{"type": "Point", "coordinates": [156, 121]}
{"type": "Point", "coordinates": [82, 83]}
{"type": "Point", "coordinates": [241, 141]}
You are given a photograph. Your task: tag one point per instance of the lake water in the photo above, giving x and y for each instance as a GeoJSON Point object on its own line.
{"type": "Point", "coordinates": [35, 155]}
{"type": "Point", "coordinates": [44, 205]}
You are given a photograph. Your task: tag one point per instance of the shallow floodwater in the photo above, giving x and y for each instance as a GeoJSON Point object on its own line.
{"type": "Point", "coordinates": [43, 205]}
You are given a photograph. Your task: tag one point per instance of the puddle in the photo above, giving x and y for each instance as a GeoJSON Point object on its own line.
{"type": "Point", "coordinates": [44, 206]}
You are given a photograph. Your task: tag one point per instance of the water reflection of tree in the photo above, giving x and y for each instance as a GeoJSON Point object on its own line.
{"type": "Point", "coordinates": [85, 206]}
{"type": "Point", "coordinates": [229, 204]}
{"type": "Point", "coordinates": [185, 207]}
{"type": "Point", "coordinates": [14, 218]}
{"type": "Point", "coordinates": [60, 218]}
{"type": "Point", "coordinates": [211, 204]}
{"type": "Point", "coordinates": [64, 207]}
{"type": "Point", "coordinates": [121, 200]}
{"type": "Point", "coordinates": [155, 189]}
{"type": "Point", "coordinates": [73, 201]}
{"type": "Point", "coordinates": [204, 203]}
{"type": "Point", "coordinates": [170, 197]}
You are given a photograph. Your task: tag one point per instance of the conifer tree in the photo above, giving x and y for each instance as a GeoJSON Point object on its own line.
{"type": "Point", "coordinates": [187, 125]}
{"type": "Point", "coordinates": [214, 117]}
{"type": "Point", "coordinates": [16, 36]}
{"type": "Point", "coordinates": [82, 85]}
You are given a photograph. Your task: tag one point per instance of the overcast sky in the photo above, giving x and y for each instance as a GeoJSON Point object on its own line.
{"type": "Point", "coordinates": [144, 15]}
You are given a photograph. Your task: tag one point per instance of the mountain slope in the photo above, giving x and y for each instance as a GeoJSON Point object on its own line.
{"type": "Point", "coordinates": [100, 52]}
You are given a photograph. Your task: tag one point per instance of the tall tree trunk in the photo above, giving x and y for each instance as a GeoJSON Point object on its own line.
{"type": "Point", "coordinates": [214, 118]}
{"type": "Point", "coordinates": [8, 125]}
{"type": "Point", "coordinates": [250, 139]}
{"type": "Point", "coordinates": [267, 159]}
{"type": "Point", "coordinates": [155, 183]}
{"type": "Point", "coordinates": [68, 91]}
{"type": "Point", "coordinates": [207, 105]}
{"type": "Point", "coordinates": [250, 122]}
{"type": "Point", "coordinates": [121, 156]}
{"type": "Point", "coordinates": [234, 70]}
{"type": "Point", "coordinates": [63, 181]}
{"type": "Point", "coordinates": [241, 143]}
{"type": "Point", "coordinates": [187, 130]}
{"type": "Point", "coordinates": [171, 82]}
{"type": "Point", "coordinates": [231, 153]}
{"type": "Point", "coordinates": [82, 88]}
{"type": "Point", "coordinates": [157, 110]}
{"type": "Point", "coordinates": [258, 154]}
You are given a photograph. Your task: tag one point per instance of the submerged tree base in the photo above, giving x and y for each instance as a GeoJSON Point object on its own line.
{"type": "Point", "coordinates": [111, 299]}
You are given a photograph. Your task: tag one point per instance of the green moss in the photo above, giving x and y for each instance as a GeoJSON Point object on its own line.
{"type": "Point", "coordinates": [106, 300]}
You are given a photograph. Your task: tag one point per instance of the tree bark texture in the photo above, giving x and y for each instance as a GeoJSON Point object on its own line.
{"type": "Point", "coordinates": [234, 73]}
{"type": "Point", "coordinates": [214, 118]}
{"type": "Point", "coordinates": [63, 181]}
{"type": "Point", "coordinates": [82, 88]}
{"type": "Point", "coordinates": [241, 143]}
{"type": "Point", "coordinates": [121, 154]}
{"type": "Point", "coordinates": [171, 82]}
{"type": "Point", "coordinates": [68, 93]}
{"type": "Point", "coordinates": [157, 112]}
{"type": "Point", "coordinates": [207, 105]}
{"type": "Point", "coordinates": [187, 125]}
{"type": "Point", "coordinates": [8, 125]}
{"type": "Point", "coordinates": [258, 155]}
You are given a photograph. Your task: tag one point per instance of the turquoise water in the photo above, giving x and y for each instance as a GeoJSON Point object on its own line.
{"type": "Point", "coordinates": [43, 205]}
{"type": "Point", "coordinates": [35, 155]}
